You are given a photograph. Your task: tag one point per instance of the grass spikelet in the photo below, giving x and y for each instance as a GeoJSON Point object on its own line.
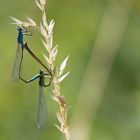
{"type": "Point", "coordinates": [47, 34]}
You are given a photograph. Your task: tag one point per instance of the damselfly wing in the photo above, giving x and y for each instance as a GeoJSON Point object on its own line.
{"type": "Point", "coordinates": [17, 63]}
{"type": "Point", "coordinates": [42, 113]}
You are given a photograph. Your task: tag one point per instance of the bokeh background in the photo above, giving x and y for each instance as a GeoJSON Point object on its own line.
{"type": "Point", "coordinates": [102, 38]}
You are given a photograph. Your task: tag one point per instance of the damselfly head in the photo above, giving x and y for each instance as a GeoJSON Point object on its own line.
{"type": "Point", "coordinates": [19, 28]}
{"type": "Point", "coordinates": [40, 71]}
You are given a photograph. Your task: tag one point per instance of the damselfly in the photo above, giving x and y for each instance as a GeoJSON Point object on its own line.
{"type": "Point", "coordinates": [41, 115]}
{"type": "Point", "coordinates": [19, 52]}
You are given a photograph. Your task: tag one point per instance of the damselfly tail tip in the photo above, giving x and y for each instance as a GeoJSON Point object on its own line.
{"type": "Point", "coordinates": [14, 78]}
{"type": "Point", "coordinates": [38, 126]}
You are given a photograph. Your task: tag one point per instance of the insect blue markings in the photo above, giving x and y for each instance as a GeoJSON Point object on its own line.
{"type": "Point", "coordinates": [34, 78]}
{"type": "Point", "coordinates": [20, 36]}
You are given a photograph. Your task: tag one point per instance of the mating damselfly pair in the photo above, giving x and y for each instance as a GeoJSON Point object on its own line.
{"type": "Point", "coordinates": [16, 73]}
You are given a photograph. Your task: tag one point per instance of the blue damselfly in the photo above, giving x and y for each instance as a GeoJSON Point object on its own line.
{"type": "Point", "coordinates": [19, 52]}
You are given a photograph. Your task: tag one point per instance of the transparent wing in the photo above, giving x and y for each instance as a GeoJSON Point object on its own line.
{"type": "Point", "coordinates": [17, 63]}
{"type": "Point", "coordinates": [42, 113]}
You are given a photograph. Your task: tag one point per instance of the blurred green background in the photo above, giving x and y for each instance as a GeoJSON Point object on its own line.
{"type": "Point", "coordinates": [103, 88]}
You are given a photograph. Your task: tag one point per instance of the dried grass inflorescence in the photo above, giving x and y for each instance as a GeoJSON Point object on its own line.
{"type": "Point", "coordinates": [46, 31]}
{"type": "Point", "coordinates": [29, 23]}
